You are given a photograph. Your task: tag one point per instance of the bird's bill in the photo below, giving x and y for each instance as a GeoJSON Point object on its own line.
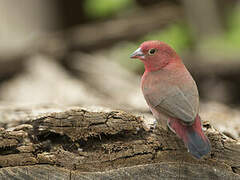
{"type": "Point", "coordinates": [137, 54]}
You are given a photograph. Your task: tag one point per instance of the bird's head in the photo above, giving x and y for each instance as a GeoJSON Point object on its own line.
{"type": "Point", "coordinates": [155, 55]}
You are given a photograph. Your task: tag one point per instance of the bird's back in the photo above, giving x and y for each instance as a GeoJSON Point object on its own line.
{"type": "Point", "coordinates": [171, 91]}
{"type": "Point", "coordinates": [172, 94]}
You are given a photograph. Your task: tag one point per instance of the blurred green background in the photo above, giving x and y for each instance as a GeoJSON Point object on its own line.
{"type": "Point", "coordinates": [206, 34]}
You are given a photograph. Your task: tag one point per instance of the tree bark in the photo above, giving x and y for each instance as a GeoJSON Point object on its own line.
{"type": "Point", "coordinates": [78, 143]}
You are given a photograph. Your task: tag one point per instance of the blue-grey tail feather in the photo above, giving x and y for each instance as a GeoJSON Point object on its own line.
{"type": "Point", "coordinates": [197, 145]}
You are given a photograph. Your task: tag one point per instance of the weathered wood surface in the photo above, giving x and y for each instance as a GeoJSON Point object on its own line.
{"type": "Point", "coordinates": [76, 143]}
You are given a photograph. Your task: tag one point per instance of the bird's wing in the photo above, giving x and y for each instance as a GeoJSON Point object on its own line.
{"type": "Point", "coordinates": [176, 101]}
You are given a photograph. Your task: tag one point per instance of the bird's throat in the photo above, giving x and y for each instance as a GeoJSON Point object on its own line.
{"type": "Point", "coordinates": [154, 66]}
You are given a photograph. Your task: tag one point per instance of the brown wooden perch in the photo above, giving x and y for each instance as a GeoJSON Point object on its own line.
{"type": "Point", "coordinates": [77, 143]}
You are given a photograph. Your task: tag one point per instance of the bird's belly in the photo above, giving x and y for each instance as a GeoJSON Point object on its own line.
{"type": "Point", "coordinates": [161, 118]}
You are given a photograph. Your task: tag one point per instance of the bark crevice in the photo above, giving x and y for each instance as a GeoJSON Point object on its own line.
{"type": "Point", "coordinates": [86, 142]}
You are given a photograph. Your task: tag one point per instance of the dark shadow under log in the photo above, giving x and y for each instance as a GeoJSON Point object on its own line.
{"type": "Point", "coordinates": [76, 143]}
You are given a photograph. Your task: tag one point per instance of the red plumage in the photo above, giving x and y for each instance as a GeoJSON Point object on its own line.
{"type": "Point", "coordinates": [172, 94]}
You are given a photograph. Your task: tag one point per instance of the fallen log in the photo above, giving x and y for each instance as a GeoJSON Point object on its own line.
{"type": "Point", "coordinates": [78, 143]}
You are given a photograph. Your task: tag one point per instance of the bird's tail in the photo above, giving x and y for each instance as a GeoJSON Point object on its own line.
{"type": "Point", "coordinates": [193, 136]}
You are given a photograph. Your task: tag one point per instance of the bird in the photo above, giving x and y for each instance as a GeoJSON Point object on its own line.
{"type": "Point", "coordinates": [172, 95]}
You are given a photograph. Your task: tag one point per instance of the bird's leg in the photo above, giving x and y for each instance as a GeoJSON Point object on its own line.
{"type": "Point", "coordinates": [169, 127]}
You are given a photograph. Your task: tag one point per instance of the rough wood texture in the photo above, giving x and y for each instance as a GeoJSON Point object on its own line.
{"type": "Point", "coordinates": [78, 143]}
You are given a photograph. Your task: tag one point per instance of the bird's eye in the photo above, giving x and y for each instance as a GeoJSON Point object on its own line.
{"type": "Point", "coordinates": [151, 51]}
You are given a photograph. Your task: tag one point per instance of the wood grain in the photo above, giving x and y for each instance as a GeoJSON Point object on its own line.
{"type": "Point", "coordinates": [77, 143]}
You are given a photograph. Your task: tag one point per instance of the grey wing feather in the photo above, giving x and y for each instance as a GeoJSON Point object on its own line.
{"type": "Point", "coordinates": [180, 105]}
{"type": "Point", "coordinates": [178, 101]}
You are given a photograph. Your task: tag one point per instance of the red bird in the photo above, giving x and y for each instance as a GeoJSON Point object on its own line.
{"type": "Point", "coordinates": [172, 95]}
